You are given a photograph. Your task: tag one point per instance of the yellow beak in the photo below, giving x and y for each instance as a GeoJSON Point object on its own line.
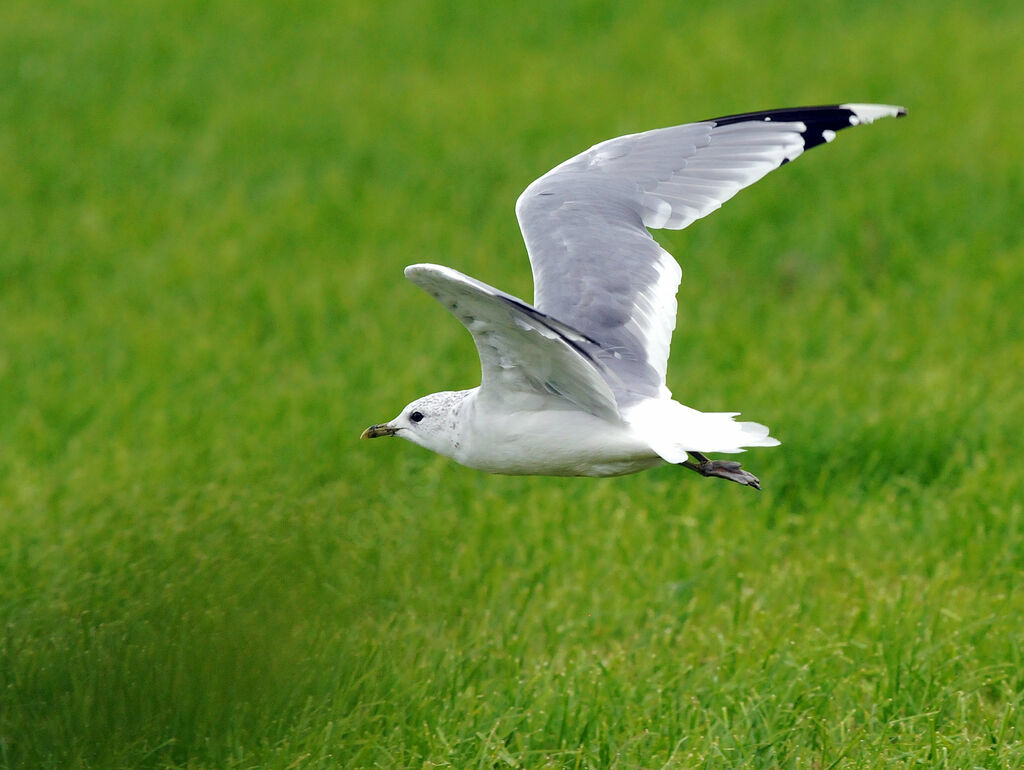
{"type": "Point", "coordinates": [376, 431]}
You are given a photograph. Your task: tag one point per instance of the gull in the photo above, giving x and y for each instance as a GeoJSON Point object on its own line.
{"type": "Point", "coordinates": [574, 384]}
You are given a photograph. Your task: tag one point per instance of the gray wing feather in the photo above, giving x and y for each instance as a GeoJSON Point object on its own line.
{"type": "Point", "coordinates": [522, 351]}
{"type": "Point", "coordinates": [585, 224]}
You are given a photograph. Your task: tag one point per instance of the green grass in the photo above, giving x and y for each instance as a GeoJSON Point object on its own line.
{"type": "Point", "coordinates": [204, 213]}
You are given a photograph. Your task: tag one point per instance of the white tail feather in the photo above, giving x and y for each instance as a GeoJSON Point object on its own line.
{"type": "Point", "coordinates": [672, 429]}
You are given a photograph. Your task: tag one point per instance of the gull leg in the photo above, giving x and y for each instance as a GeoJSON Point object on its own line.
{"type": "Point", "coordinates": [723, 469]}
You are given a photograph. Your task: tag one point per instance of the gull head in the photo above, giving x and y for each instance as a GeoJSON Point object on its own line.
{"type": "Point", "coordinates": [433, 422]}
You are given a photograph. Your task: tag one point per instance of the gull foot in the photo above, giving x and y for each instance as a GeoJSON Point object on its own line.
{"type": "Point", "coordinates": [723, 469]}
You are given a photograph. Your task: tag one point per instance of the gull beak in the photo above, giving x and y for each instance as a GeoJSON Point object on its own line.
{"type": "Point", "coordinates": [376, 431]}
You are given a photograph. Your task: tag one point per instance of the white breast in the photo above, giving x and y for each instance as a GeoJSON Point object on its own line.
{"type": "Point", "coordinates": [538, 436]}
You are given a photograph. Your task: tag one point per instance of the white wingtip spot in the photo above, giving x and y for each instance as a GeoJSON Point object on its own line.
{"type": "Point", "coordinates": [828, 135]}
{"type": "Point", "coordinates": [869, 113]}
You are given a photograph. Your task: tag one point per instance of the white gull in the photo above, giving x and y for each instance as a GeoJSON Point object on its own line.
{"type": "Point", "coordinates": [574, 385]}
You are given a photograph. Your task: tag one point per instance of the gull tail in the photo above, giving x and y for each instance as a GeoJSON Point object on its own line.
{"type": "Point", "coordinates": [672, 429]}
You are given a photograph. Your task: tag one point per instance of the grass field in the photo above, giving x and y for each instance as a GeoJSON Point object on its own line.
{"type": "Point", "coordinates": [205, 209]}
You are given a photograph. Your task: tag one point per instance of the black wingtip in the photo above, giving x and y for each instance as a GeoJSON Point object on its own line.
{"type": "Point", "coordinates": [821, 122]}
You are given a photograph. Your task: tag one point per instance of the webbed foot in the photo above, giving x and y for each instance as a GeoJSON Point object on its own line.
{"type": "Point", "coordinates": [723, 469]}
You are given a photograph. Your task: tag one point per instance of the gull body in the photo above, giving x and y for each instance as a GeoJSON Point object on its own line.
{"type": "Point", "coordinates": [574, 385]}
{"type": "Point", "coordinates": [532, 434]}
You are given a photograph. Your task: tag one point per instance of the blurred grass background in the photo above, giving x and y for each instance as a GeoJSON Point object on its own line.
{"type": "Point", "coordinates": [205, 208]}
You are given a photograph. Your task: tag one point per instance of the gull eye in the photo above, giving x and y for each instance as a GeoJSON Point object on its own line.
{"type": "Point", "coordinates": [416, 416]}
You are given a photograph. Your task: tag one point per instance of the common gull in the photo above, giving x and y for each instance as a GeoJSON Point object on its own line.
{"type": "Point", "coordinates": [574, 384]}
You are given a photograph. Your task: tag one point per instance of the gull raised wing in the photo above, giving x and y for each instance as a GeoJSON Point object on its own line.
{"type": "Point", "coordinates": [585, 223]}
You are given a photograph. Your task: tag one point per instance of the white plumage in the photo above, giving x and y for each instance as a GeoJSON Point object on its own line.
{"type": "Point", "coordinates": [575, 383]}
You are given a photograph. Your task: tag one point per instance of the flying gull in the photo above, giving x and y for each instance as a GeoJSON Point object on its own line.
{"type": "Point", "coordinates": [574, 384]}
